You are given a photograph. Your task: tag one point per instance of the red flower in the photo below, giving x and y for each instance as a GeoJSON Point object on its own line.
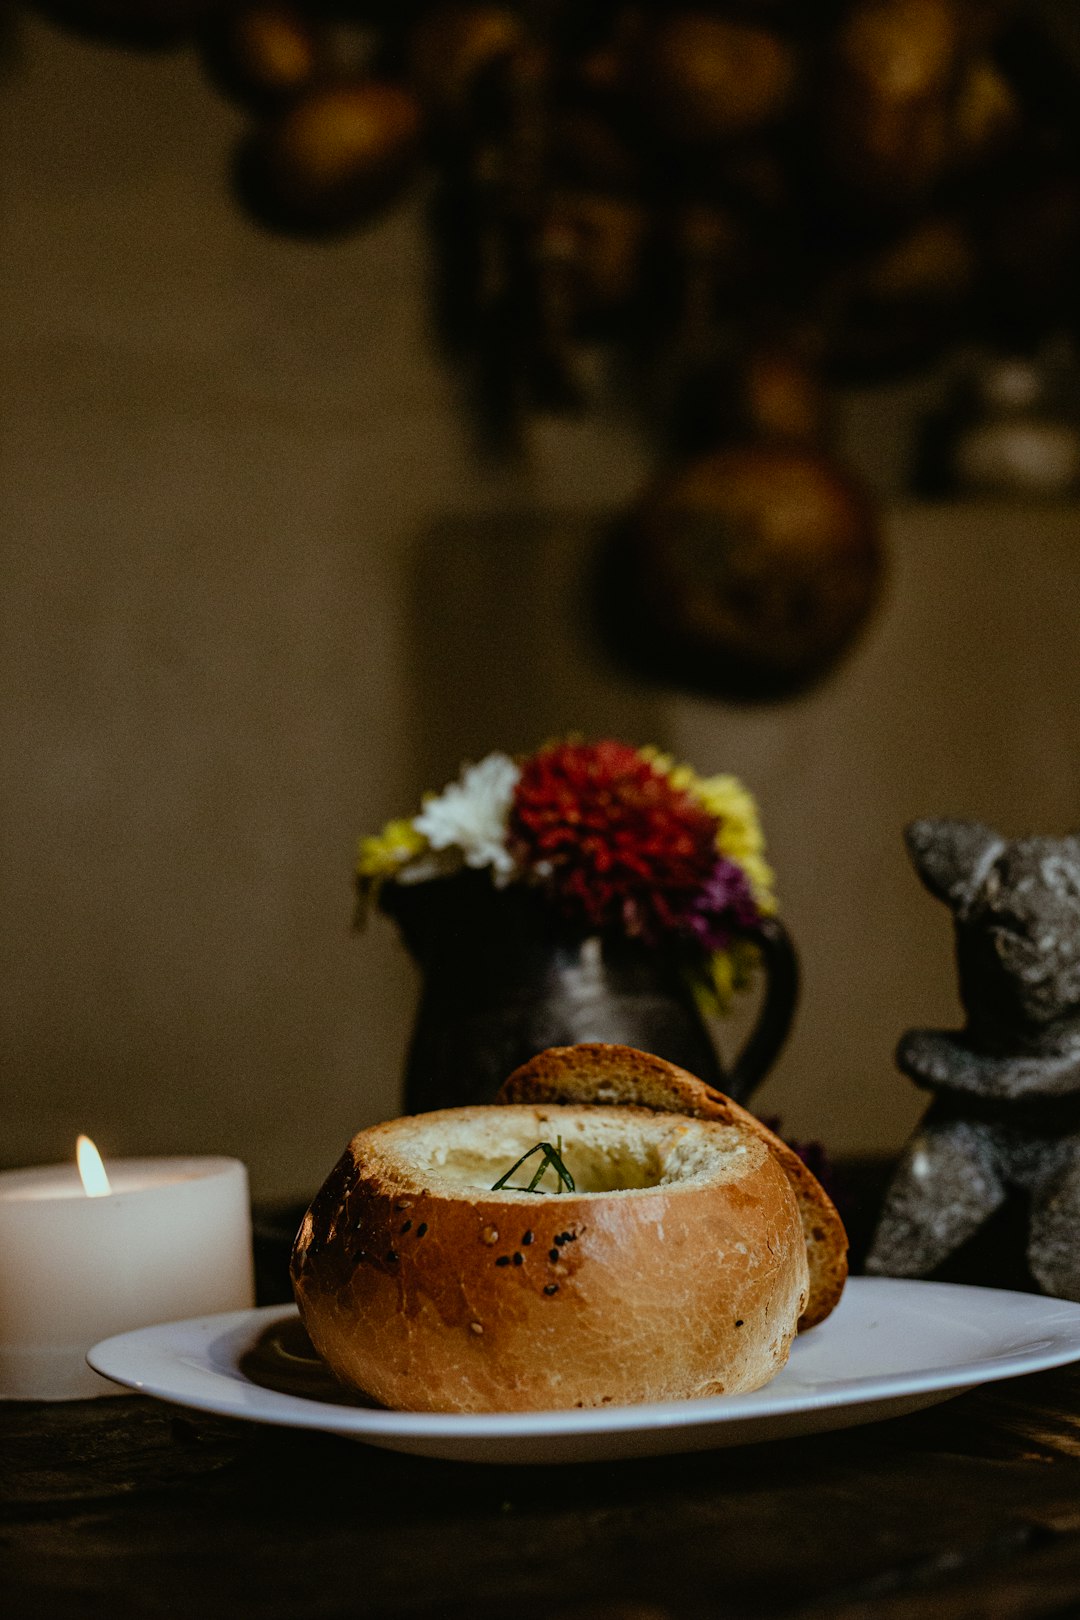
{"type": "Point", "coordinates": [615, 843]}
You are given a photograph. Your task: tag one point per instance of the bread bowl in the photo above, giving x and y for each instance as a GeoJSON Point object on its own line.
{"type": "Point", "coordinates": [676, 1268]}
{"type": "Point", "coordinates": [594, 1072]}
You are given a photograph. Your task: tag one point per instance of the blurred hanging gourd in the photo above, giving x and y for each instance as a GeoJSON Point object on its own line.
{"type": "Point", "coordinates": [703, 79]}
{"type": "Point", "coordinates": [746, 570]}
{"type": "Point", "coordinates": [265, 53]}
{"type": "Point", "coordinates": [450, 51]}
{"type": "Point", "coordinates": [338, 153]}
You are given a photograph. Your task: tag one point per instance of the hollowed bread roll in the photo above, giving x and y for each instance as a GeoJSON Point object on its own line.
{"type": "Point", "coordinates": [597, 1073]}
{"type": "Point", "coordinates": [677, 1267]}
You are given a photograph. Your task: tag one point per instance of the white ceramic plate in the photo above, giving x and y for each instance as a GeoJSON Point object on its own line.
{"type": "Point", "coordinates": [890, 1348]}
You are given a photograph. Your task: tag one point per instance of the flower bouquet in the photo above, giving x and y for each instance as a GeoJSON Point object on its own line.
{"type": "Point", "coordinates": [616, 841]}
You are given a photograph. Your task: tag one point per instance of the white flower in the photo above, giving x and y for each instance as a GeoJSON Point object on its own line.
{"type": "Point", "coordinates": [471, 815]}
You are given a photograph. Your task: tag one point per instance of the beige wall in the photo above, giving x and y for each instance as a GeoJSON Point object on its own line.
{"type": "Point", "coordinates": [258, 592]}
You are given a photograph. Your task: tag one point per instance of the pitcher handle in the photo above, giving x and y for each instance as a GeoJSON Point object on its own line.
{"type": "Point", "coordinates": [781, 968]}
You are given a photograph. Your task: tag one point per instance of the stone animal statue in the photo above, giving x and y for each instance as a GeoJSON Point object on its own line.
{"type": "Point", "coordinates": [1005, 1119]}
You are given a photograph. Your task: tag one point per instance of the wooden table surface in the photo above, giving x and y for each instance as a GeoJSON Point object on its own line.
{"type": "Point", "coordinates": [131, 1508]}
{"type": "Point", "coordinates": [127, 1507]}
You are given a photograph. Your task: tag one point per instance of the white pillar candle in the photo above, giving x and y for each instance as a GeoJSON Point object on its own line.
{"type": "Point", "coordinates": [171, 1239]}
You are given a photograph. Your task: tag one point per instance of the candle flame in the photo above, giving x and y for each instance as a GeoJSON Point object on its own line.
{"type": "Point", "coordinates": [95, 1181]}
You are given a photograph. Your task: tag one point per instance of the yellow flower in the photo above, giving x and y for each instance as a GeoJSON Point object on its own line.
{"type": "Point", "coordinates": [725, 798]}
{"type": "Point", "coordinates": [385, 853]}
{"type": "Point", "coordinates": [739, 836]}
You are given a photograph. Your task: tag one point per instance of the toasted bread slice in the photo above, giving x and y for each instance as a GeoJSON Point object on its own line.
{"type": "Point", "coordinates": [596, 1073]}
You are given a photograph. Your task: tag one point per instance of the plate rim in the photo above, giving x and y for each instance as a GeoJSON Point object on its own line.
{"type": "Point", "coordinates": [225, 1391]}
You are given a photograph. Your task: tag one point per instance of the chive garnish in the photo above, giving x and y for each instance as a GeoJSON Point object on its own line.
{"type": "Point", "coordinates": [552, 1157]}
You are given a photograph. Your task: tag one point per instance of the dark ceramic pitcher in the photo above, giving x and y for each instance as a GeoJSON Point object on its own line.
{"type": "Point", "coordinates": [503, 979]}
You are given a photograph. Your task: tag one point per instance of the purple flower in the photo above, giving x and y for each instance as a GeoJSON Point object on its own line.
{"type": "Point", "coordinates": [724, 906]}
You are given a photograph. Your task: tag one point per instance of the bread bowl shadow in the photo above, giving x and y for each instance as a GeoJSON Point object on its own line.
{"type": "Point", "coordinates": [283, 1359]}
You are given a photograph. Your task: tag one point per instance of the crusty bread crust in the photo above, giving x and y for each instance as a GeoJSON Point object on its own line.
{"type": "Point", "coordinates": [597, 1073]}
{"type": "Point", "coordinates": [431, 1296]}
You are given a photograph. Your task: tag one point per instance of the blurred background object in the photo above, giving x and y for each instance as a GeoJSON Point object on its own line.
{"type": "Point", "coordinates": [746, 573]}
{"type": "Point", "coordinates": [1010, 429]}
{"type": "Point", "coordinates": [266, 53]}
{"type": "Point", "coordinates": [337, 154]}
{"type": "Point", "coordinates": [878, 179]}
{"type": "Point", "coordinates": [719, 213]}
